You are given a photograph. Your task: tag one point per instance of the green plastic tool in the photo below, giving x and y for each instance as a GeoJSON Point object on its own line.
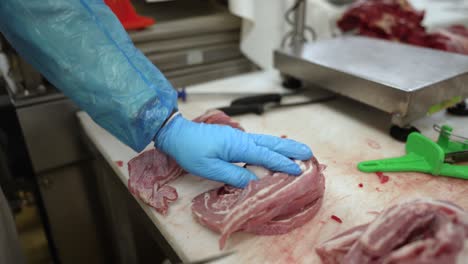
{"type": "Point", "coordinates": [425, 155]}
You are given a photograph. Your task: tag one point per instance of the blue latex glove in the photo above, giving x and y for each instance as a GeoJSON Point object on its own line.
{"type": "Point", "coordinates": [208, 150]}
{"type": "Point", "coordinates": [82, 49]}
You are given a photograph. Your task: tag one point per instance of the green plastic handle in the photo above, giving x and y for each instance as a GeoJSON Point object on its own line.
{"type": "Point", "coordinates": [409, 162]}
{"type": "Point", "coordinates": [427, 149]}
{"type": "Point", "coordinates": [456, 171]}
{"type": "Point", "coordinates": [423, 155]}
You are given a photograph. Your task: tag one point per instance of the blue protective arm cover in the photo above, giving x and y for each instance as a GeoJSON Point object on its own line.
{"type": "Point", "coordinates": [82, 49]}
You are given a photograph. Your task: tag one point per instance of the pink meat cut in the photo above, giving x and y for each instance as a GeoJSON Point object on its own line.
{"type": "Point", "coordinates": [397, 20]}
{"type": "Point", "coordinates": [419, 231]}
{"type": "Point", "coordinates": [275, 204]}
{"type": "Point", "coordinates": [151, 171]}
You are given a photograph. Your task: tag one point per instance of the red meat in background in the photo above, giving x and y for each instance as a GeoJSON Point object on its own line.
{"type": "Point", "coordinates": [397, 20]}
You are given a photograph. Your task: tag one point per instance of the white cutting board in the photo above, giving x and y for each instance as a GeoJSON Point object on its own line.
{"type": "Point", "coordinates": [340, 133]}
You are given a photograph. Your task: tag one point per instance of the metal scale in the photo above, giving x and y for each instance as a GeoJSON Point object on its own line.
{"type": "Point", "coordinates": [405, 81]}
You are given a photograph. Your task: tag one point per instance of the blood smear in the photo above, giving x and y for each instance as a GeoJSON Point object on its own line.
{"type": "Point", "coordinates": [447, 211]}
{"type": "Point", "coordinates": [119, 163]}
{"type": "Point", "coordinates": [373, 144]}
{"type": "Point", "coordinates": [284, 136]}
{"type": "Point", "coordinates": [336, 218]}
{"type": "Point", "coordinates": [382, 177]}
{"type": "Point", "coordinates": [361, 185]}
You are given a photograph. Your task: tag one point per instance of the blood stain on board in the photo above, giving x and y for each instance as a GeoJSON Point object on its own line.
{"type": "Point", "coordinates": [119, 163]}
{"type": "Point", "coordinates": [373, 144]}
{"type": "Point", "coordinates": [373, 212]}
{"type": "Point", "coordinates": [290, 259]}
{"type": "Point", "coordinates": [382, 177]}
{"type": "Point", "coordinates": [336, 219]}
{"type": "Point", "coordinates": [450, 187]}
{"type": "Point", "coordinates": [286, 253]}
{"type": "Point", "coordinates": [284, 136]}
{"type": "Point", "coordinates": [360, 185]}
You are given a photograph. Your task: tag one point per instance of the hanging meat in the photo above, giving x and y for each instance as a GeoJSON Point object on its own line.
{"type": "Point", "coordinates": [397, 20]}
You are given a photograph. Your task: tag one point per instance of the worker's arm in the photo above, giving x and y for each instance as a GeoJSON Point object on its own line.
{"type": "Point", "coordinates": [81, 48]}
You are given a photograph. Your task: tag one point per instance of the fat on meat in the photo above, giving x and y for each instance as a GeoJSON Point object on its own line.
{"type": "Point", "coordinates": [152, 170]}
{"type": "Point", "coordinates": [275, 204]}
{"type": "Point", "coordinates": [397, 20]}
{"type": "Point", "coordinates": [421, 231]}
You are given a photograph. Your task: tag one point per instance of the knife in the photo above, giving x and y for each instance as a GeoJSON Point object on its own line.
{"type": "Point", "coordinates": [259, 104]}
{"type": "Point", "coordinates": [457, 156]}
{"type": "Point", "coordinates": [183, 94]}
{"type": "Point", "coordinates": [211, 259]}
{"type": "Point", "coordinates": [262, 98]}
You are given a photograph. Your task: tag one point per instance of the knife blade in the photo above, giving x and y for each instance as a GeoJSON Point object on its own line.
{"type": "Point", "coordinates": [211, 259]}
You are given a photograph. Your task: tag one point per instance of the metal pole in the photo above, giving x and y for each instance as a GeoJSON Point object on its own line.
{"type": "Point", "coordinates": [299, 24]}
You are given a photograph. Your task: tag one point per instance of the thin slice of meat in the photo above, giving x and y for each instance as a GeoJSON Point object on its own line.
{"type": "Point", "coordinates": [418, 231]}
{"type": "Point", "coordinates": [275, 204]}
{"type": "Point", "coordinates": [149, 174]}
{"type": "Point", "coordinates": [152, 170]}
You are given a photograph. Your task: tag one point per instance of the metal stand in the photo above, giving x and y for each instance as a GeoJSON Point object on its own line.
{"type": "Point", "coordinates": [372, 71]}
{"type": "Point", "coordinates": [460, 109]}
{"type": "Point", "coordinates": [290, 82]}
{"type": "Point", "coordinates": [407, 82]}
{"type": "Point", "coordinates": [402, 133]}
{"type": "Point", "coordinates": [297, 36]}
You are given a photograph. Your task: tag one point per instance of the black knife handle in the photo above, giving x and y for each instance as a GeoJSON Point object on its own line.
{"type": "Point", "coordinates": [457, 156]}
{"type": "Point", "coordinates": [234, 110]}
{"type": "Point", "coordinates": [258, 99]}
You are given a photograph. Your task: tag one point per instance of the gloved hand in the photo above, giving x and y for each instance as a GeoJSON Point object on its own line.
{"type": "Point", "coordinates": [207, 150]}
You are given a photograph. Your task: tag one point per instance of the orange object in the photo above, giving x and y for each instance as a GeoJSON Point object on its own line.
{"type": "Point", "coordinates": [127, 15]}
